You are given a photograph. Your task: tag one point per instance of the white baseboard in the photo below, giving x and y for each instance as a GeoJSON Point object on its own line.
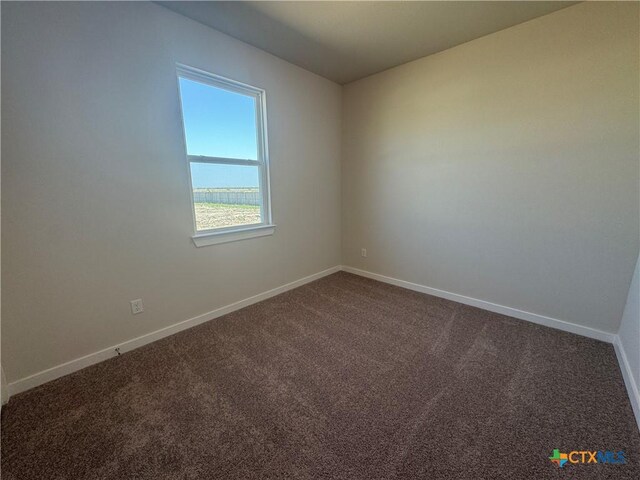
{"type": "Point", "coordinates": [492, 307]}
{"type": "Point", "coordinates": [629, 380]}
{"type": "Point", "coordinates": [58, 371]}
{"type": "Point", "coordinates": [79, 363]}
{"type": "Point", "coordinates": [630, 383]}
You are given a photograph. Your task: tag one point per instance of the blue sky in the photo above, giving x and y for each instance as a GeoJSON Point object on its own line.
{"type": "Point", "coordinates": [219, 123]}
{"type": "Point", "coordinates": [209, 175]}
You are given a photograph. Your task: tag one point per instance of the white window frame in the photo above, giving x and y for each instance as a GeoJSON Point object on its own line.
{"type": "Point", "coordinates": [202, 238]}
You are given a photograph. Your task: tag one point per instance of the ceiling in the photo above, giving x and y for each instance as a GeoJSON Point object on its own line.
{"type": "Point", "coordinates": [346, 41]}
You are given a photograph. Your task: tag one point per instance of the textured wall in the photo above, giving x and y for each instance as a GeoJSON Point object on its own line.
{"type": "Point", "coordinates": [505, 169]}
{"type": "Point", "coordinates": [630, 326]}
{"type": "Point", "coordinates": [95, 194]}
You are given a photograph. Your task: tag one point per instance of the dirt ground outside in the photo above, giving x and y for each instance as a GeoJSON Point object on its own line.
{"type": "Point", "coordinates": [216, 215]}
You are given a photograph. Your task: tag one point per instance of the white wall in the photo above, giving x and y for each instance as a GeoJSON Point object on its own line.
{"type": "Point", "coordinates": [505, 169]}
{"type": "Point", "coordinates": [629, 338]}
{"type": "Point", "coordinates": [95, 189]}
{"type": "Point", "coordinates": [4, 390]}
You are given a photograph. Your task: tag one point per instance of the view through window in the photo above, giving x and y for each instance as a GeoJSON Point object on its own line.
{"type": "Point", "coordinates": [223, 126]}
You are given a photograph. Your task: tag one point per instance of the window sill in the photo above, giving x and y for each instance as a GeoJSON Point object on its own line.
{"type": "Point", "coordinates": [214, 238]}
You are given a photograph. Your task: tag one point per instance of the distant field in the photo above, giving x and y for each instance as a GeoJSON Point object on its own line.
{"type": "Point", "coordinates": [216, 215]}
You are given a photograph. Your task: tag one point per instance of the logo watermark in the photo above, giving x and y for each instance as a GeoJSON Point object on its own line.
{"type": "Point", "coordinates": [609, 457]}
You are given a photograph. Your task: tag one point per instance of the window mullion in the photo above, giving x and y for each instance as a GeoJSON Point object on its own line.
{"type": "Point", "coordinates": [223, 160]}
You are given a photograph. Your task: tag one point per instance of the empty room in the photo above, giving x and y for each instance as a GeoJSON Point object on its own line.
{"type": "Point", "coordinates": [320, 240]}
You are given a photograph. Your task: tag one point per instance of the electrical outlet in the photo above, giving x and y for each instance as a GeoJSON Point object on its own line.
{"type": "Point", "coordinates": [363, 252]}
{"type": "Point", "coordinates": [136, 306]}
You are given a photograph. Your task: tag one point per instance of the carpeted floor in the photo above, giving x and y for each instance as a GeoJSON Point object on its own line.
{"type": "Point", "coordinates": [344, 378]}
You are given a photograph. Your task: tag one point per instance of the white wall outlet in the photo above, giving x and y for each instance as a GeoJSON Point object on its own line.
{"type": "Point", "coordinates": [363, 252]}
{"type": "Point", "coordinates": [136, 306]}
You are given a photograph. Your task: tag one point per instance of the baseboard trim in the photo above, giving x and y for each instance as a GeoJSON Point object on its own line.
{"type": "Point", "coordinates": [629, 380]}
{"type": "Point", "coordinates": [625, 368]}
{"type": "Point", "coordinates": [61, 370]}
{"type": "Point", "coordinates": [66, 368]}
{"type": "Point", "coordinates": [492, 307]}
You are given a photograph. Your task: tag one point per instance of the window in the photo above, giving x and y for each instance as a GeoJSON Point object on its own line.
{"type": "Point", "coordinates": [226, 146]}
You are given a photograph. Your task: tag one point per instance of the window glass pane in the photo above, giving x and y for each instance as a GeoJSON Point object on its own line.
{"type": "Point", "coordinates": [218, 122]}
{"type": "Point", "coordinates": [225, 195]}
